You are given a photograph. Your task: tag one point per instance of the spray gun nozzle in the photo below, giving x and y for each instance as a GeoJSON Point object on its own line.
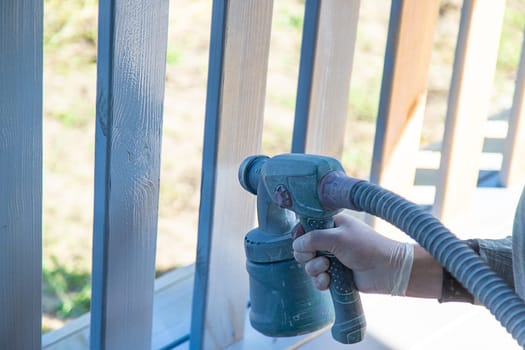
{"type": "Point", "coordinates": [249, 172]}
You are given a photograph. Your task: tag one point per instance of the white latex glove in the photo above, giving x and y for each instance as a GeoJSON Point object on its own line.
{"type": "Point", "coordinates": [380, 265]}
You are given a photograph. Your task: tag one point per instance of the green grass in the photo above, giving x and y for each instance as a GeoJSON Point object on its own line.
{"type": "Point", "coordinates": [295, 21]}
{"type": "Point", "coordinates": [289, 16]}
{"type": "Point", "coordinates": [70, 119]}
{"type": "Point", "coordinates": [173, 56]}
{"type": "Point", "coordinates": [511, 37]}
{"type": "Point", "coordinates": [363, 102]}
{"type": "Point", "coordinates": [69, 21]}
{"type": "Point", "coordinates": [71, 287]}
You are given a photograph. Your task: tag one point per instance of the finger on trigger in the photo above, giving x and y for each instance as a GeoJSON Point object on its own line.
{"type": "Point", "coordinates": [321, 281]}
{"type": "Point", "coordinates": [303, 257]}
{"type": "Point", "coordinates": [300, 244]}
{"type": "Point", "coordinates": [297, 231]}
{"type": "Point", "coordinates": [317, 240]}
{"type": "Point", "coordinates": [317, 265]}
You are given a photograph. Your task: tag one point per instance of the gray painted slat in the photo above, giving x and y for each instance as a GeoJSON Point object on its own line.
{"type": "Point", "coordinates": [239, 47]}
{"type": "Point", "coordinates": [21, 25]}
{"type": "Point", "coordinates": [130, 93]}
{"type": "Point", "coordinates": [329, 36]}
{"type": "Point", "coordinates": [306, 67]}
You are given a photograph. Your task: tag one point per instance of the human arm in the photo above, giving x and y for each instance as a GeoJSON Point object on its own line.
{"type": "Point", "coordinates": [380, 264]}
{"type": "Point", "coordinates": [426, 277]}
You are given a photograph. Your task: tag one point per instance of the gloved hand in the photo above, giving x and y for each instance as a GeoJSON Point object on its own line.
{"type": "Point", "coordinates": [380, 265]}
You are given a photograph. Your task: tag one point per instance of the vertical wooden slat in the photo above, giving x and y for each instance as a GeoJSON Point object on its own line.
{"type": "Point", "coordinates": [239, 47]}
{"type": "Point", "coordinates": [130, 91]}
{"type": "Point", "coordinates": [20, 173]}
{"type": "Point", "coordinates": [329, 35]}
{"type": "Point", "coordinates": [474, 67]}
{"type": "Point", "coordinates": [403, 93]}
{"type": "Point", "coordinates": [306, 69]}
{"type": "Point", "coordinates": [513, 167]}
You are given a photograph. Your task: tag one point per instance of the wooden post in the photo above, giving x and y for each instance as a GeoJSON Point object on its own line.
{"type": "Point", "coordinates": [21, 27]}
{"type": "Point", "coordinates": [474, 67]}
{"type": "Point", "coordinates": [327, 52]}
{"type": "Point", "coordinates": [403, 98]}
{"type": "Point", "coordinates": [239, 48]}
{"type": "Point", "coordinates": [403, 93]}
{"type": "Point", "coordinates": [130, 90]}
{"type": "Point", "coordinates": [513, 168]}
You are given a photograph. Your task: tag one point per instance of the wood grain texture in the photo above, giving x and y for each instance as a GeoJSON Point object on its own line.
{"type": "Point", "coordinates": [130, 92]}
{"type": "Point", "coordinates": [403, 93]}
{"type": "Point", "coordinates": [474, 66]}
{"type": "Point", "coordinates": [513, 167]}
{"type": "Point", "coordinates": [239, 48]}
{"type": "Point", "coordinates": [21, 28]}
{"type": "Point", "coordinates": [325, 70]}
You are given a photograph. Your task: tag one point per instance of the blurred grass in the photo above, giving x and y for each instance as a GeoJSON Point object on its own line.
{"type": "Point", "coordinates": [511, 37]}
{"type": "Point", "coordinates": [70, 70]}
{"type": "Point", "coordinates": [71, 289]}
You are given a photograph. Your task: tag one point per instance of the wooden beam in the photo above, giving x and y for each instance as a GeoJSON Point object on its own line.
{"type": "Point", "coordinates": [327, 52]}
{"type": "Point", "coordinates": [21, 28]}
{"type": "Point", "coordinates": [513, 167]}
{"type": "Point", "coordinates": [239, 48]}
{"type": "Point", "coordinates": [403, 93]}
{"type": "Point", "coordinates": [132, 44]}
{"type": "Point", "coordinates": [470, 89]}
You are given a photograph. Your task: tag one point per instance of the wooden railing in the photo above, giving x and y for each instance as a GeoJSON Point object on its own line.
{"type": "Point", "coordinates": [131, 65]}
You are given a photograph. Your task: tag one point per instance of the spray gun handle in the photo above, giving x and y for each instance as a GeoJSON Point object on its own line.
{"type": "Point", "coordinates": [350, 324]}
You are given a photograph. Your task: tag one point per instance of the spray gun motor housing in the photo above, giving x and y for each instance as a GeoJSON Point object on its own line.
{"type": "Point", "coordinates": [283, 299]}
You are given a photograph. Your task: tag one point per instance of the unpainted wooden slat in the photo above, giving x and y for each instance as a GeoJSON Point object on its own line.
{"type": "Point", "coordinates": [403, 93]}
{"type": "Point", "coordinates": [21, 28]}
{"type": "Point", "coordinates": [240, 35]}
{"type": "Point", "coordinates": [513, 167]}
{"type": "Point", "coordinates": [327, 52]}
{"type": "Point", "coordinates": [474, 66]}
{"type": "Point", "coordinates": [130, 91]}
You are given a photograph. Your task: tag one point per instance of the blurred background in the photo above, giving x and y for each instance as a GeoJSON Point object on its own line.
{"type": "Point", "coordinates": [70, 49]}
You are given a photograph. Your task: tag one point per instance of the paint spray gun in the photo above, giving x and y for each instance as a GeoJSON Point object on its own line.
{"type": "Point", "coordinates": [311, 189]}
{"type": "Point", "coordinates": [283, 299]}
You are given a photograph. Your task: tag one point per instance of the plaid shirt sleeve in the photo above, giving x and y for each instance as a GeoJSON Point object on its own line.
{"type": "Point", "coordinates": [505, 256]}
{"type": "Point", "coordinates": [497, 253]}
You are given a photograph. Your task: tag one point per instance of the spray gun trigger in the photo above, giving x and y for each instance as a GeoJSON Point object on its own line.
{"type": "Point", "coordinates": [297, 231]}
